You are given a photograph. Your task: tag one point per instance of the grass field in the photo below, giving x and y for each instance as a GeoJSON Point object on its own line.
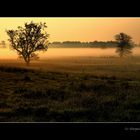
{"type": "Point", "coordinates": [70, 89]}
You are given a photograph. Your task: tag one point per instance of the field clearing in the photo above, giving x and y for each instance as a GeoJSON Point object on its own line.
{"type": "Point", "coordinates": [108, 66]}
{"type": "Point", "coordinates": [70, 89]}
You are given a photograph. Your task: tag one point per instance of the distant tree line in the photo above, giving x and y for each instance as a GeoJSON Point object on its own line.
{"type": "Point", "coordinates": [97, 44]}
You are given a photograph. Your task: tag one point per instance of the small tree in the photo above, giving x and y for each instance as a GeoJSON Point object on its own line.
{"type": "Point", "coordinates": [124, 44]}
{"type": "Point", "coordinates": [29, 39]}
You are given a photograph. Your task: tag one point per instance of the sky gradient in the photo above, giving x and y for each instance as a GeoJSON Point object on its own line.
{"type": "Point", "coordinates": [78, 29]}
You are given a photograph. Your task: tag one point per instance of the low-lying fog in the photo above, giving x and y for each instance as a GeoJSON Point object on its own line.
{"type": "Point", "coordinates": [6, 53]}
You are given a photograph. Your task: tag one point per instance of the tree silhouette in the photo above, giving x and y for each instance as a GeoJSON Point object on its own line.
{"type": "Point", "coordinates": [124, 44]}
{"type": "Point", "coordinates": [29, 39]}
{"type": "Point", "coordinates": [2, 44]}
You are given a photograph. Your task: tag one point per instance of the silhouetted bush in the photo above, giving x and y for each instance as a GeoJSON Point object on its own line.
{"type": "Point", "coordinates": [27, 78]}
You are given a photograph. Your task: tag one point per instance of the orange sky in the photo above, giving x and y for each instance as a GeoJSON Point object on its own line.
{"type": "Point", "coordinates": [78, 29]}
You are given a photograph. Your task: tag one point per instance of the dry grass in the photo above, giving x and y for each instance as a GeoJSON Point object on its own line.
{"type": "Point", "coordinates": [70, 89]}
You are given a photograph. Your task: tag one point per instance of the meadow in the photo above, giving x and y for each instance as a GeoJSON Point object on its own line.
{"type": "Point", "coordinates": [70, 89]}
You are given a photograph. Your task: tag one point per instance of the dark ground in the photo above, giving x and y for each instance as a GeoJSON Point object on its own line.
{"type": "Point", "coordinates": [34, 95]}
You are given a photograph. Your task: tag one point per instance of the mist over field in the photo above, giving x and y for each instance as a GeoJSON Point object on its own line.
{"type": "Point", "coordinates": [88, 73]}
{"type": "Point", "coordinates": [70, 85]}
{"type": "Point", "coordinates": [6, 53]}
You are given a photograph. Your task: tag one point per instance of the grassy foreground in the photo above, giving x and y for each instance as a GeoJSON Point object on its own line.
{"type": "Point", "coordinates": [104, 90]}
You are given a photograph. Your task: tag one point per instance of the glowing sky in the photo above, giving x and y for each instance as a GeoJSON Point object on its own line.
{"type": "Point", "coordinates": [78, 29]}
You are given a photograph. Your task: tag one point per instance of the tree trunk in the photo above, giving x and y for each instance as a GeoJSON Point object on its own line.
{"type": "Point", "coordinates": [27, 63]}
{"type": "Point", "coordinates": [27, 60]}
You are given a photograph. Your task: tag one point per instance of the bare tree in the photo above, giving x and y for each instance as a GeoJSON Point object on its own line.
{"type": "Point", "coordinates": [29, 39]}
